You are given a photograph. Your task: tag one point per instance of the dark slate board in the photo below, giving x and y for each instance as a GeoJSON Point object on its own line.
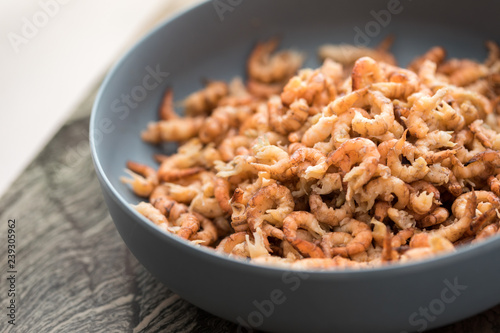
{"type": "Point", "coordinates": [75, 274]}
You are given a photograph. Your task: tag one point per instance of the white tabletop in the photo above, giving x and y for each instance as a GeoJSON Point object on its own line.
{"type": "Point", "coordinates": [52, 52]}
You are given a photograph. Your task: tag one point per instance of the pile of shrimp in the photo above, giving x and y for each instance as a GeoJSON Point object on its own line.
{"type": "Point", "coordinates": [358, 163]}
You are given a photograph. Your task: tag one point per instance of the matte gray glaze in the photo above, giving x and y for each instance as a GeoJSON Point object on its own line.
{"type": "Point", "coordinates": [202, 43]}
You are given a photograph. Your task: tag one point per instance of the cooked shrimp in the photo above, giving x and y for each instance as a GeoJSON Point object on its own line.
{"type": "Point", "coordinates": [161, 200]}
{"type": "Point", "coordinates": [365, 72]}
{"type": "Point", "coordinates": [285, 121]}
{"type": "Point", "coordinates": [144, 178]}
{"type": "Point", "coordinates": [305, 220]}
{"type": "Point", "coordinates": [351, 152]}
{"type": "Point", "coordinates": [494, 184]}
{"type": "Point", "coordinates": [189, 225]}
{"type": "Point", "coordinates": [489, 231]}
{"type": "Point", "coordinates": [265, 67]}
{"type": "Point", "coordinates": [383, 188]}
{"type": "Point", "coordinates": [436, 54]}
{"type": "Point", "coordinates": [177, 130]}
{"type": "Point", "coordinates": [204, 100]}
{"type": "Point", "coordinates": [151, 213]}
{"type": "Point", "coordinates": [381, 122]}
{"type": "Point", "coordinates": [416, 171]}
{"type": "Point", "coordinates": [437, 216]}
{"type": "Point", "coordinates": [167, 111]}
{"type": "Point", "coordinates": [221, 192]}
{"type": "Point", "coordinates": [342, 127]}
{"type": "Point", "coordinates": [329, 215]}
{"type": "Point", "coordinates": [362, 238]}
{"type": "Point", "coordinates": [227, 244]}
{"type": "Point", "coordinates": [208, 235]}
{"type": "Point", "coordinates": [422, 105]}
{"type": "Point", "coordinates": [260, 208]}
{"type": "Point", "coordinates": [319, 131]}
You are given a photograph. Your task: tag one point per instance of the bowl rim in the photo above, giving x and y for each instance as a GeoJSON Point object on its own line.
{"type": "Point", "coordinates": [461, 254]}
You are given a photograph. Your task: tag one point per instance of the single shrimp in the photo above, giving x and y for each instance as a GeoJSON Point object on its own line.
{"type": "Point", "coordinates": [320, 131]}
{"type": "Point", "coordinates": [161, 200]}
{"type": "Point", "coordinates": [362, 238]}
{"type": "Point", "coordinates": [416, 171]}
{"type": "Point", "coordinates": [424, 197]}
{"type": "Point", "coordinates": [208, 235]}
{"type": "Point", "coordinates": [151, 213]}
{"type": "Point", "coordinates": [265, 67]}
{"type": "Point", "coordinates": [381, 208]}
{"type": "Point", "coordinates": [342, 127]}
{"type": "Point", "coordinates": [437, 216]}
{"type": "Point", "coordinates": [144, 178]}
{"type": "Point", "coordinates": [383, 188]}
{"type": "Point", "coordinates": [494, 184]}
{"type": "Point", "coordinates": [228, 244]}
{"type": "Point", "coordinates": [304, 160]}
{"type": "Point", "coordinates": [260, 207]}
{"type": "Point", "coordinates": [177, 130]}
{"type": "Point", "coordinates": [329, 215]}
{"type": "Point", "coordinates": [167, 111]}
{"type": "Point", "coordinates": [489, 231]}
{"type": "Point", "coordinates": [221, 192]}
{"type": "Point", "coordinates": [351, 152]}
{"type": "Point", "coordinates": [436, 54]}
{"type": "Point", "coordinates": [365, 72]}
{"type": "Point", "coordinates": [206, 99]}
{"type": "Point", "coordinates": [305, 220]}
{"type": "Point", "coordinates": [381, 122]}
{"type": "Point", "coordinates": [174, 168]}
{"type": "Point", "coordinates": [189, 225]}
{"type": "Point", "coordinates": [423, 104]}
{"type": "Point", "coordinates": [284, 120]}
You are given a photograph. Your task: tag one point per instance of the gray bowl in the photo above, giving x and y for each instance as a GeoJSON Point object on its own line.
{"type": "Point", "coordinates": [212, 41]}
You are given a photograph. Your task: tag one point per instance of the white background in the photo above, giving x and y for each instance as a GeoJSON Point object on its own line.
{"type": "Point", "coordinates": [46, 72]}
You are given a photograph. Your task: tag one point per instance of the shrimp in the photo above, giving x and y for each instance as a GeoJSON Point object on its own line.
{"type": "Point", "coordinates": [285, 121]}
{"type": "Point", "coordinates": [381, 210]}
{"type": "Point", "coordinates": [487, 232]}
{"type": "Point", "coordinates": [177, 130]}
{"type": "Point", "coordinates": [360, 241]}
{"type": "Point", "coordinates": [203, 101]}
{"type": "Point", "coordinates": [383, 188]}
{"type": "Point", "coordinates": [260, 207]}
{"type": "Point", "coordinates": [328, 183]}
{"type": "Point", "coordinates": [161, 200]}
{"type": "Point", "coordinates": [208, 235]}
{"type": "Point", "coordinates": [424, 197]}
{"type": "Point", "coordinates": [409, 174]}
{"type": "Point", "coordinates": [221, 192]}
{"type": "Point", "coordinates": [151, 213]}
{"type": "Point", "coordinates": [267, 68]}
{"type": "Point", "coordinates": [381, 122]}
{"type": "Point", "coordinates": [166, 111]}
{"type": "Point", "coordinates": [347, 54]}
{"type": "Point", "coordinates": [234, 145]}
{"type": "Point", "coordinates": [436, 55]}
{"type": "Point", "coordinates": [365, 72]}
{"type": "Point", "coordinates": [494, 184]}
{"type": "Point", "coordinates": [174, 168]}
{"type": "Point", "coordinates": [460, 206]}
{"type": "Point", "coordinates": [230, 242]}
{"type": "Point", "coordinates": [437, 216]}
{"type": "Point", "coordinates": [329, 215]}
{"type": "Point", "coordinates": [144, 178]}
{"type": "Point", "coordinates": [422, 105]}
{"type": "Point", "coordinates": [305, 220]}
{"type": "Point", "coordinates": [351, 152]}
{"type": "Point", "coordinates": [319, 131]}
{"type": "Point", "coordinates": [464, 209]}
{"type": "Point", "coordinates": [189, 225]}
{"type": "Point", "coordinates": [342, 127]}
{"type": "Point", "coordinates": [304, 160]}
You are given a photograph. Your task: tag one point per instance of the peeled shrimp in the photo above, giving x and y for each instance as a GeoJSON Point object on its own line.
{"type": "Point", "coordinates": [360, 241]}
{"type": "Point", "coordinates": [260, 208]}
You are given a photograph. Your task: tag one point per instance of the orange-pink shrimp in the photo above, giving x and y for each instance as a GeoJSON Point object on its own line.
{"type": "Point", "coordinates": [260, 208]}
{"type": "Point", "coordinates": [360, 241]}
{"type": "Point", "coordinates": [301, 219]}
{"type": "Point", "coordinates": [144, 178]}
